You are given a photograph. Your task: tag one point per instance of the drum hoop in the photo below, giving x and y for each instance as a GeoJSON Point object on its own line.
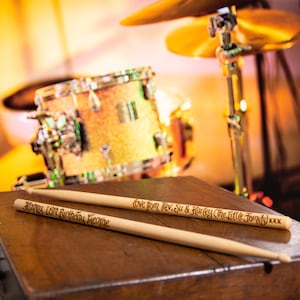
{"type": "Point", "coordinates": [126, 169]}
{"type": "Point", "coordinates": [86, 84]}
{"type": "Point", "coordinates": [101, 175]}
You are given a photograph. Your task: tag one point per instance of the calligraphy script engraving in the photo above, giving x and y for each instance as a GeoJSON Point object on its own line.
{"type": "Point", "coordinates": [208, 213]}
{"type": "Point", "coordinates": [68, 214]}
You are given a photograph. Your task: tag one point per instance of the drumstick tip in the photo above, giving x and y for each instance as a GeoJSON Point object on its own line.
{"type": "Point", "coordinates": [29, 190]}
{"type": "Point", "coordinates": [282, 257]}
{"type": "Point", "coordinates": [288, 222]}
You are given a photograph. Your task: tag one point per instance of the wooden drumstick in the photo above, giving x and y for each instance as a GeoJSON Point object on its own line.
{"type": "Point", "coordinates": [178, 209]}
{"type": "Point", "coordinates": [165, 234]}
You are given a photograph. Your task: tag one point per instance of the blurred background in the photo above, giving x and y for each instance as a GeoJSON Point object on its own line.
{"type": "Point", "coordinates": [58, 39]}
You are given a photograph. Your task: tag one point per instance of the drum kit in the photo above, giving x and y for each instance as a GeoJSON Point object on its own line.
{"type": "Point", "coordinates": [108, 127]}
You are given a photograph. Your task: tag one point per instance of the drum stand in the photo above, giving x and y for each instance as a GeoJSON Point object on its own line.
{"type": "Point", "coordinates": [230, 60]}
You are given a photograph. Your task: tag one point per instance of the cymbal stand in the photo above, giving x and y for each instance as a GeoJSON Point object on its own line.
{"type": "Point", "coordinates": [230, 59]}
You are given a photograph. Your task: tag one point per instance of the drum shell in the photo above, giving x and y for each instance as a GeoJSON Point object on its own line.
{"type": "Point", "coordinates": [130, 141]}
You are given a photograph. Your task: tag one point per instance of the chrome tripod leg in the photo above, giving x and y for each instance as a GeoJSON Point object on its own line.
{"type": "Point", "coordinates": [238, 140]}
{"type": "Point", "coordinates": [237, 130]}
{"type": "Point", "coordinates": [242, 108]}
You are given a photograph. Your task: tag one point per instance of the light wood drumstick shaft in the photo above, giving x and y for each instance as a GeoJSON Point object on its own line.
{"type": "Point", "coordinates": [166, 234]}
{"type": "Point", "coordinates": [178, 209]}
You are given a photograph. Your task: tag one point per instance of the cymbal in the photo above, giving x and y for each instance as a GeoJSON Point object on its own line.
{"type": "Point", "coordinates": [262, 29]}
{"type": "Point", "coordinates": [166, 10]}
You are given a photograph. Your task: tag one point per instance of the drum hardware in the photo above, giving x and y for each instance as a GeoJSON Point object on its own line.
{"type": "Point", "coordinates": [58, 133]}
{"type": "Point", "coordinates": [94, 101]}
{"type": "Point", "coordinates": [47, 142]}
{"type": "Point", "coordinates": [256, 27]}
{"type": "Point", "coordinates": [63, 131]}
{"type": "Point", "coordinates": [229, 55]}
{"type": "Point", "coordinates": [106, 153]}
{"type": "Point", "coordinates": [74, 98]}
{"type": "Point", "coordinates": [253, 34]}
{"type": "Point", "coordinates": [148, 89]}
{"type": "Point", "coordinates": [33, 180]}
{"type": "Point", "coordinates": [127, 112]}
{"type": "Point", "coordinates": [160, 142]}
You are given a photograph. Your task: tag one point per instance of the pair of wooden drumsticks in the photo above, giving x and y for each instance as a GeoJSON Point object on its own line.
{"type": "Point", "coordinates": [162, 233]}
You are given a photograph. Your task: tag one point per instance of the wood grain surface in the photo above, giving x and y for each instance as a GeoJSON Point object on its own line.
{"type": "Point", "coordinates": [53, 259]}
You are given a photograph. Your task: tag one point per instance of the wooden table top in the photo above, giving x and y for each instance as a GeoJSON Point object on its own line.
{"type": "Point", "coordinates": [56, 259]}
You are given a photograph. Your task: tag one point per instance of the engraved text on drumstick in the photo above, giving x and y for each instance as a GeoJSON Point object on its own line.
{"type": "Point", "coordinates": [204, 212]}
{"type": "Point", "coordinates": [65, 214]}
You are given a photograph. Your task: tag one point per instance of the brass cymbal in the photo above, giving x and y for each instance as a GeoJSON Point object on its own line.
{"type": "Point", "coordinates": [166, 10]}
{"type": "Point", "coordinates": [262, 29]}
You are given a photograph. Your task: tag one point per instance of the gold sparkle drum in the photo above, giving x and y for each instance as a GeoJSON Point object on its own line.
{"type": "Point", "coordinates": [99, 128]}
